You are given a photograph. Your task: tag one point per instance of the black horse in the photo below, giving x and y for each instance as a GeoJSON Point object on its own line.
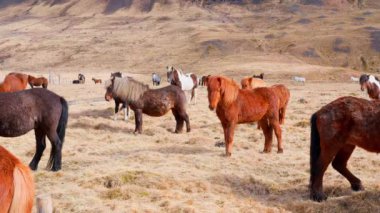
{"type": "Point", "coordinates": [38, 109]}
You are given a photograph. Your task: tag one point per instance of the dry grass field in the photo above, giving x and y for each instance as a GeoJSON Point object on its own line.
{"type": "Point", "coordinates": [106, 168]}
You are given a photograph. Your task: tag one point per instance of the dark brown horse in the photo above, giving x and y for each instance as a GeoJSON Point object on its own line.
{"type": "Point", "coordinates": [153, 102]}
{"type": "Point", "coordinates": [41, 81]}
{"type": "Point", "coordinates": [38, 109]}
{"type": "Point", "coordinates": [235, 106]}
{"type": "Point", "coordinates": [14, 82]}
{"type": "Point", "coordinates": [16, 184]}
{"type": "Point", "coordinates": [372, 84]}
{"type": "Point", "coordinates": [203, 80]}
{"type": "Point", "coordinates": [336, 129]}
{"type": "Point", "coordinates": [187, 82]}
{"type": "Point", "coordinates": [261, 76]}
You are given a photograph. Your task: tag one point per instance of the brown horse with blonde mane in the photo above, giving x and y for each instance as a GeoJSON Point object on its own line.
{"type": "Point", "coordinates": [153, 102]}
{"type": "Point", "coordinates": [14, 82]}
{"type": "Point", "coordinates": [16, 184]}
{"type": "Point", "coordinates": [40, 81]}
{"type": "Point", "coordinates": [235, 106]}
{"type": "Point", "coordinates": [336, 129]}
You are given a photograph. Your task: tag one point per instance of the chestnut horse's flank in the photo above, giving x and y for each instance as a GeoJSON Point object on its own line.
{"type": "Point", "coordinates": [14, 82]}
{"type": "Point", "coordinates": [16, 184]}
{"type": "Point", "coordinates": [336, 129]}
{"type": "Point", "coordinates": [40, 110]}
{"type": "Point", "coordinates": [41, 81]}
{"type": "Point", "coordinates": [153, 102]}
{"type": "Point", "coordinates": [235, 106]}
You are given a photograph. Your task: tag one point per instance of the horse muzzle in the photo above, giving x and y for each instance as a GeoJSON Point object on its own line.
{"type": "Point", "coordinates": [211, 107]}
{"type": "Point", "coordinates": [108, 98]}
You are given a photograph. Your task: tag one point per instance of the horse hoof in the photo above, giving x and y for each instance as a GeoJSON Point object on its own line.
{"type": "Point", "coordinates": [319, 197]}
{"type": "Point", "coordinates": [33, 167]}
{"type": "Point", "coordinates": [280, 151]}
{"type": "Point", "coordinates": [357, 186]}
{"type": "Point", "coordinates": [188, 130]}
{"type": "Point", "coordinates": [266, 151]}
{"type": "Point", "coordinates": [228, 154]}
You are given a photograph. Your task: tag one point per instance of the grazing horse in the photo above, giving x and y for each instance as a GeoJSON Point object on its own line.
{"type": "Point", "coordinates": [261, 76]}
{"type": "Point", "coordinates": [97, 81]}
{"type": "Point", "coordinates": [38, 109]}
{"type": "Point", "coordinates": [251, 83]}
{"type": "Point", "coordinates": [14, 82]}
{"type": "Point", "coordinates": [153, 102]}
{"type": "Point", "coordinates": [372, 84]}
{"type": "Point", "coordinates": [354, 79]}
{"type": "Point", "coordinates": [235, 106]}
{"type": "Point", "coordinates": [118, 101]}
{"type": "Point", "coordinates": [186, 82]}
{"type": "Point", "coordinates": [156, 79]}
{"type": "Point", "coordinates": [299, 79]}
{"type": "Point", "coordinates": [41, 81]}
{"type": "Point", "coordinates": [336, 129]}
{"type": "Point", "coordinates": [81, 79]}
{"type": "Point", "coordinates": [16, 184]}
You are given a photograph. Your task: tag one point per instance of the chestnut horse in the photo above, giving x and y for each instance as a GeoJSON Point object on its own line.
{"type": "Point", "coordinates": [153, 102]}
{"type": "Point", "coordinates": [97, 81]}
{"type": "Point", "coordinates": [41, 81]}
{"type": "Point", "coordinates": [251, 83]}
{"type": "Point", "coordinates": [14, 82]}
{"type": "Point", "coordinates": [187, 82]}
{"type": "Point", "coordinates": [336, 129]}
{"type": "Point", "coordinates": [281, 91]}
{"type": "Point", "coordinates": [16, 184]}
{"type": "Point", "coordinates": [40, 110]}
{"type": "Point", "coordinates": [235, 106]}
{"type": "Point", "coordinates": [372, 84]}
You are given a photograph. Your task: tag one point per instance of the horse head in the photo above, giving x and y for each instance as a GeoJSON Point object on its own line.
{"type": "Point", "coordinates": [246, 83]}
{"type": "Point", "coordinates": [221, 90]}
{"type": "Point", "coordinates": [109, 89]}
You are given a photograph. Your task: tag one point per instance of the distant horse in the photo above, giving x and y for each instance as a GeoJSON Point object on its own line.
{"type": "Point", "coordinates": [203, 80]}
{"type": "Point", "coordinates": [235, 106]}
{"type": "Point", "coordinates": [261, 76]}
{"type": "Point", "coordinates": [41, 81]}
{"type": "Point", "coordinates": [156, 79]}
{"type": "Point", "coordinates": [354, 79]}
{"type": "Point", "coordinates": [251, 83]}
{"type": "Point", "coordinates": [81, 79]}
{"type": "Point", "coordinates": [38, 109]}
{"type": "Point", "coordinates": [186, 82]}
{"type": "Point", "coordinates": [336, 129]}
{"type": "Point", "coordinates": [372, 84]}
{"type": "Point", "coordinates": [299, 79]}
{"type": "Point", "coordinates": [16, 184]}
{"type": "Point", "coordinates": [118, 101]}
{"type": "Point", "coordinates": [14, 82]}
{"type": "Point", "coordinates": [153, 102]}
{"type": "Point", "coordinates": [97, 81]}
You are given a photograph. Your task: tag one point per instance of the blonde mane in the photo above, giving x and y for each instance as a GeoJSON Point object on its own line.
{"type": "Point", "coordinates": [127, 88]}
{"type": "Point", "coordinates": [229, 90]}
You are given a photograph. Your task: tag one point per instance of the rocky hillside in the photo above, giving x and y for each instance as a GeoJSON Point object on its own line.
{"type": "Point", "coordinates": [278, 36]}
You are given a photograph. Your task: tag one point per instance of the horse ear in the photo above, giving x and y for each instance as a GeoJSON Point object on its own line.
{"type": "Point", "coordinates": [250, 80]}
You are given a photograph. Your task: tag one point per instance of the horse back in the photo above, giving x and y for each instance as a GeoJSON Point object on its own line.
{"type": "Point", "coordinates": [351, 120]}
{"type": "Point", "coordinates": [7, 165]}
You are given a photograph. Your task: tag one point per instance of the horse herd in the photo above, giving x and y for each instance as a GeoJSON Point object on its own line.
{"type": "Point", "coordinates": [336, 129]}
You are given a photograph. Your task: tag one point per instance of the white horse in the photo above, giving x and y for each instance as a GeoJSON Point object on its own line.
{"type": "Point", "coordinates": [156, 79]}
{"type": "Point", "coordinates": [354, 79]}
{"type": "Point", "coordinates": [187, 82]}
{"type": "Point", "coordinates": [299, 79]}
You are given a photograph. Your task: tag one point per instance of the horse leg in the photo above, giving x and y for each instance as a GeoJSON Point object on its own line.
{"type": "Point", "coordinates": [268, 134]}
{"type": "Point", "coordinates": [40, 147]}
{"type": "Point", "coordinates": [327, 154]}
{"type": "Point", "coordinates": [185, 117]}
{"type": "Point", "coordinates": [55, 159]}
{"type": "Point", "coordinates": [126, 112]}
{"type": "Point", "coordinates": [340, 164]}
{"type": "Point", "coordinates": [193, 96]}
{"type": "Point", "coordinates": [116, 110]}
{"type": "Point", "coordinates": [277, 131]}
{"type": "Point", "coordinates": [179, 121]}
{"type": "Point", "coordinates": [138, 121]}
{"type": "Point", "coordinates": [229, 130]}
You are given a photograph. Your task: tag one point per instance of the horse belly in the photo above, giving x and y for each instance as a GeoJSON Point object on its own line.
{"type": "Point", "coordinates": [15, 128]}
{"type": "Point", "coordinates": [157, 109]}
{"type": "Point", "coordinates": [187, 83]}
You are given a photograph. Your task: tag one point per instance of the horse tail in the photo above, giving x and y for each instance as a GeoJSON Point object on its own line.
{"type": "Point", "coordinates": [61, 129]}
{"type": "Point", "coordinates": [315, 147]}
{"type": "Point", "coordinates": [23, 184]}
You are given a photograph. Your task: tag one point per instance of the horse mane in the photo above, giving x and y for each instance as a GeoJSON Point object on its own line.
{"type": "Point", "coordinates": [228, 87]}
{"type": "Point", "coordinates": [128, 88]}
